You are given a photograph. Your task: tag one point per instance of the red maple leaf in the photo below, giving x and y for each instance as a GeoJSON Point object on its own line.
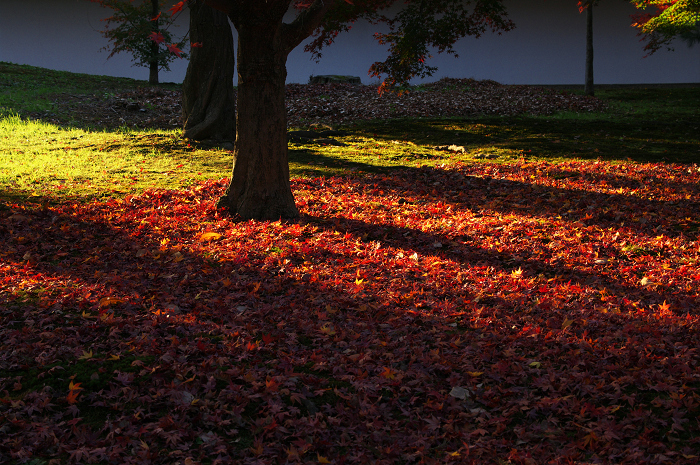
{"type": "Point", "coordinates": [174, 49]}
{"type": "Point", "coordinates": [157, 37]}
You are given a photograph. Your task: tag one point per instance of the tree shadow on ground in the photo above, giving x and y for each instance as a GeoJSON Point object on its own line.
{"type": "Point", "coordinates": [584, 196]}
{"type": "Point", "coordinates": [330, 319]}
{"type": "Point", "coordinates": [589, 136]}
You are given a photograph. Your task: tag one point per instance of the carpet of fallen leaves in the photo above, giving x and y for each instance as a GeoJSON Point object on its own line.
{"type": "Point", "coordinates": [344, 103]}
{"type": "Point", "coordinates": [528, 313]}
{"type": "Point", "coordinates": [329, 104]}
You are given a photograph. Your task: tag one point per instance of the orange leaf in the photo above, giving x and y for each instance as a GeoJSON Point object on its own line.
{"type": "Point", "coordinates": [74, 387]}
{"type": "Point", "coordinates": [327, 329]}
{"type": "Point", "coordinates": [72, 397]}
{"type": "Point", "coordinates": [209, 236]}
{"type": "Point", "coordinates": [177, 7]}
{"type": "Point", "coordinates": [107, 301]}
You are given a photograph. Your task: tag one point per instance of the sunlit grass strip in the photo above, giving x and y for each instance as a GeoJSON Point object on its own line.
{"type": "Point", "coordinates": [43, 160]}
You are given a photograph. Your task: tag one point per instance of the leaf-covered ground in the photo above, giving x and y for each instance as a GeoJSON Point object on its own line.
{"type": "Point", "coordinates": [526, 313]}
{"type": "Point", "coordinates": [325, 104]}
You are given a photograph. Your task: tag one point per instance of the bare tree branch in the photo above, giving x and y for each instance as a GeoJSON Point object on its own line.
{"type": "Point", "coordinates": [306, 23]}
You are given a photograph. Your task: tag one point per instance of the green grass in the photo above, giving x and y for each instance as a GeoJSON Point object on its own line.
{"type": "Point", "coordinates": [40, 161]}
{"type": "Point", "coordinates": [642, 125]}
{"type": "Point", "coordinates": [31, 89]}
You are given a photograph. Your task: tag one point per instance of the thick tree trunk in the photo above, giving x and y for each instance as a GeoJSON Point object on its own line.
{"type": "Point", "coordinates": [260, 186]}
{"type": "Point", "coordinates": [208, 102]}
{"type": "Point", "coordinates": [588, 87]}
{"type": "Point", "coordinates": [153, 64]}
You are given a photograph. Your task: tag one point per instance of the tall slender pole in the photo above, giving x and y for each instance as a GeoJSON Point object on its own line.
{"type": "Point", "coordinates": [588, 87]}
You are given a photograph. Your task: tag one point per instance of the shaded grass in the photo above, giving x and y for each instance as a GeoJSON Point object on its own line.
{"type": "Point", "coordinates": [30, 89]}
{"type": "Point", "coordinates": [641, 125]}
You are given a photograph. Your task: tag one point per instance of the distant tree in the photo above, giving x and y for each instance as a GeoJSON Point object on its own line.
{"type": "Point", "coordinates": [208, 102]}
{"type": "Point", "coordinates": [139, 28]}
{"type": "Point", "coordinates": [667, 21]}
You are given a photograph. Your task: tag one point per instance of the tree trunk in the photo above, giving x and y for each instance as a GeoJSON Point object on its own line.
{"type": "Point", "coordinates": [153, 64]}
{"type": "Point", "coordinates": [153, 72]}
{"type": "Point", "coordinates": [259, 186]}
{"type": "Point", "coordinates": [208, 102]}
{"type": "Point", "coordinates": [588, 87]}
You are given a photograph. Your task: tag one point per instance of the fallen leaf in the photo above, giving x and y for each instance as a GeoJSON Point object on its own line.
{"type": "Point", "coordinates": [72, 397]}
{"type": "Point", "coordinates": [459, 392]}
{"type": "Point", "coordinates": [209, 236]}
{"type": "Point", "coordinates": [107, 301]}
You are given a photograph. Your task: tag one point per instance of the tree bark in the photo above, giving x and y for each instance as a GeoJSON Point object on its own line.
{"type": "Point", "coordinates": [588, 87]}
{"type": "Point", "coordinates": [153, 73]}
{"type": "Point", "coordinates": [153, 64]}
{"type": "Point", "coordinates": [259, 186]}
{"type": "Point", "coordinates": [208, 102]}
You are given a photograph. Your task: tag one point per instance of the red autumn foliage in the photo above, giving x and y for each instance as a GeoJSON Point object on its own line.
{"type": "Point", "coordinates": [527, 313]}
{"type": "Point", "coordinates": [176, 8]}
{"type": "Point", "coordinates": [173, 48]}
{"type": "Point", "coordinates": [157, 37]}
